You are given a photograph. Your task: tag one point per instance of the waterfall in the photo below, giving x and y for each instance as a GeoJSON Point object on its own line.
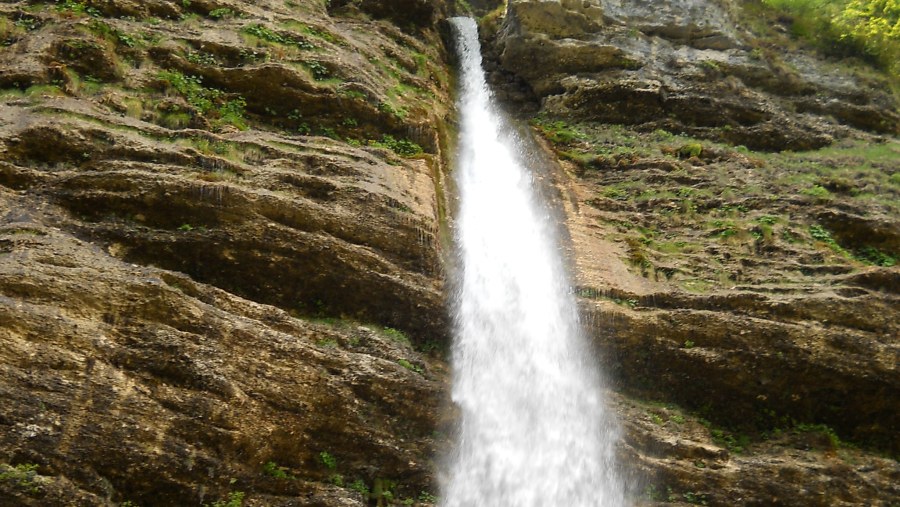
{"type": "Point", "coordinates": [533, 430]}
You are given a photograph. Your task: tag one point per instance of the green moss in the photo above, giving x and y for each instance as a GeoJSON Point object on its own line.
{"type": "Point", "coordinates": [690, 150]}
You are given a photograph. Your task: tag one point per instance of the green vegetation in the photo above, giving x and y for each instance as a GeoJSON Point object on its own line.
{"type": "Point", "coordinates": [22, 476]}
{"type": "Point", "coordinates": [396, 335]}
{"type": "Point", "coordinates": [360, 487]}
{"type": "Point", "coordinates": [690, 150]}
{"type": "Point", "coordinates": [822, 429]}
{"type": "Point", "coordinates": [73, 8]}
{"type": "Point", "coordinates": [117, 37]}
{"type": "Point", "coordinates": [272, 469]}
{"type": "Point", "coordinates": [411, 367]}
{"type": "Point", "coordinates": [402, 147]}
{"type": "Point", "coordinates": [221, 13]}
{"type": "Point", "coordinates": [866, 27]}
{"type": "Point", "coordinates": [234, 499]}
{"type": "Point", "coordinates": [558, 131]}
{"type": "Point", "coordinates": [425, 496]}
{"type": "Point", "coordinates": [318, 69]}
{"type": "Point", "coordinates": [267, 34]}
{"type": "Point", "coordinates": [712, 218]}
{"type": "Point", "coordinates": [328, 460]}
{"type": "Point", "coordinates": [210, 102]}
{"type": "Point", "coordinates": [875, 257]}
{"type": "Point", "coordinates": [736, 444]}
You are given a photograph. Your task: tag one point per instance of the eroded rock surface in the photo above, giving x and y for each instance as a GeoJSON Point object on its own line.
{"type": "Point", "coordinates": [220, 264]}
{"type": "Point", "coordinates": [221, 254]}
{"type": "Point", "coordinates": [686, 66]}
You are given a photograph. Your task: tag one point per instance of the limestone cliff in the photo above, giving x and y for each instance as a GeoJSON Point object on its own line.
{"type": "Point", "coordinates": [757, 290]}
{"type": "Point", "coordinates": [219, 257]}
{"type": "Point", "coordinates": [222, 247]}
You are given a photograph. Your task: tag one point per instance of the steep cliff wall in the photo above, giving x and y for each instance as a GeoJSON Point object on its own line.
{"type": "Point", "coordinates": [221, 263]}
{"type": "Point", "coordinates": [757, 290]}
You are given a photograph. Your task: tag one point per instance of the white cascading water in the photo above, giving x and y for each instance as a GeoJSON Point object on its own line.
{"type": "Point", "coordinates": [534, 430]}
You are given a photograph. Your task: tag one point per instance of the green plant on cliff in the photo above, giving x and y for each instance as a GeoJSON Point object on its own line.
{"type": "Point", "coordinates": [70, 7]}
{"type": "Point", "coordinates": [411, 366]}
{"type": "Point", "coordinates": [268, 35]}
{"type": "Point", "coordinates": [318, 70]}
{"type": "Point", "coordinates": [360, 487]}
{"type": "Point", "coordinates": [22, 476]}
{"type": "Point", "coordinates": [234, 499]}
{"type": "Point", "coordinates": [866, 27]}
{"type": "Point", "coordinates": [402, 147]}
{"type": "Point", "coordinates": [328, 460]}
{"type": "Point", "coordinates": [272, 469]}
{"type": "Point", "coordinates": [558, 131]}
{"type": "Point", "coordinates": [221, 13]}
{"type": "Point", "coordinates": [820, 234]}
{"type": "Point", "coordinates": [875, 257]}
{"type": "Point", "coordinates": [210, 102]}
{"type": "Point", "coordinates": [736, 444]}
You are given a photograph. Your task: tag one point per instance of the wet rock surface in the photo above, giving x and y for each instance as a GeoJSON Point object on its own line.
{"type": "Point", "coordinates": [223, 232]}
{"type": "Point", "coordinates": [220, 262]}
{"type": "Point", "coordinates": [687, 66]}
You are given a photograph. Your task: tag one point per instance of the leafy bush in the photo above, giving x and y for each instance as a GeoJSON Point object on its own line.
{"type": "Point", "coordinates": [866, 27]}
{"type": "Point", "coordinates": [328, 460]}
{"type": "Point", "coordinates": [273, 470]}
{"type": "Point", "coordinates": [318, 70]}
{"type": "Point", "coordinates": [359, 486]}
{"type": "Point", "coordinates": [874, 256]}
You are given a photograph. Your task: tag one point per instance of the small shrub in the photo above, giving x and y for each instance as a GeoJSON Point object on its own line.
{"type": "Point", "coordinates": [328, 460]}
{"type": "Point", "coordinates": [318, 70]}
{"type": "Point", "coordinates": [201, 58]}
{"type": "Point", "coordinates": [817, 191]}
{"type": "Point", "coordinates": [690, 150]}
{"type": "Point", "coordinates": [733, 444]}
{"type": "Point", "coordinates": [360, 487]}
{"type": "Point", "coordinates": [874, 256]}
{"type": "Point", "coordinates": [273, 470]}
{"type": "Point", "coordinates": [70, 7]}
{"type": "Point", "coordinates": [22, 476]}
{"type": "Point", "coordinates": [235, 499]}
{"type": "Point", "coordinates": [425, 496]}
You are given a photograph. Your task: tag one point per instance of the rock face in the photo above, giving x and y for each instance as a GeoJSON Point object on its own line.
{"type": "Point", "coordinates": [220, 266]}
{"type": "Point", "coordinates": [223, 238]}
{"type": "Point", "coordinates": [684, 66]}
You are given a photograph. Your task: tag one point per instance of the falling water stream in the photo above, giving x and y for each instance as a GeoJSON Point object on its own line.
{"type": "Point", "coordinates": [534, 430]}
